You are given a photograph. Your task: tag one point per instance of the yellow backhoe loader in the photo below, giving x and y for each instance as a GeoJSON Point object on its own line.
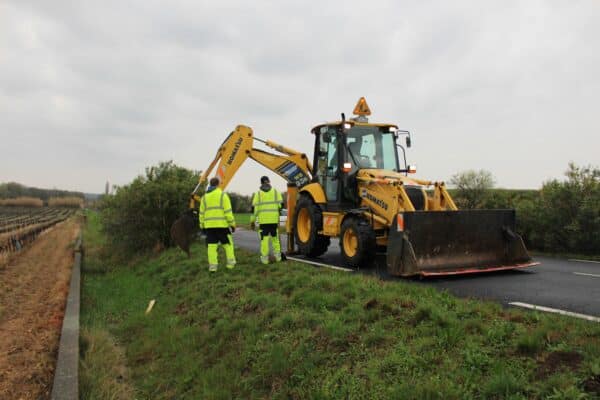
{"type": "Point", "coordinates": [356, 189]}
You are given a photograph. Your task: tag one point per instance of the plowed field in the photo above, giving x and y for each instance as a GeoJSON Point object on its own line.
{"type": "Point", "coordinates": [33, 289]}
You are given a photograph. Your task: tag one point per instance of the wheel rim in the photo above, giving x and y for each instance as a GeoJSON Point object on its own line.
{"type": "Point", "coordinates": [304, 225]}
{"type": "Point", "coordinates": [350, 242]}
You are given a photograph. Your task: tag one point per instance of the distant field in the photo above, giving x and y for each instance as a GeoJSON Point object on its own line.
{"type": "Point", "coordinates": [21, 225]}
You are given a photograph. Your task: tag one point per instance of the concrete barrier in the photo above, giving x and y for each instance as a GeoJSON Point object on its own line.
{"type": "Point", "coordinates": [66, 374]}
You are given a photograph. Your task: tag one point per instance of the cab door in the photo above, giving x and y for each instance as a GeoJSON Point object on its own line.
{"type": "Point", "coordinates": [328, 163]}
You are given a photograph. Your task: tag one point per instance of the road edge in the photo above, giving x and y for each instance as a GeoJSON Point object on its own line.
{"type": "Point", "coordinates": [66, 373]}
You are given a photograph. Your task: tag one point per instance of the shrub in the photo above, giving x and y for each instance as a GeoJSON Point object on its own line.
{"type": "Point", "coordinates": [566, 215]}
{"type": "Point", "coordinates": [68, 202]}
{"type": "Point", "coordinates": [240, 203]}
{"type": "Point", "coordinates": [504, 383]}
{"type": "Point", "coordinates": [472, 187]}
{"type": "Point", "coordinates": [11, 190]}
{"type": "Point", "coordinates": [22, 202]}
{"type": "Point", "coordinates": [139, 215]}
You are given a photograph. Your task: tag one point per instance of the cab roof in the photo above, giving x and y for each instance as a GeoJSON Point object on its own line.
{"type": "Point", "coordinates": [353, 123]}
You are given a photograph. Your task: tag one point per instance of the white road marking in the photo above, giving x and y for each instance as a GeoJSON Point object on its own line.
{"type": "Point", "coordinates": [555, 310]}
{"type": "Point", "coordinates": [584, 274]}
{"type": "Point", "coordinates": [320, 264]}
{"type": "Point", "coordinates": [587, 261]}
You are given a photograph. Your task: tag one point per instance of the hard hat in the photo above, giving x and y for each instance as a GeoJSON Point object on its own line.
{"type": "Point", "coordinates": [264, 179]}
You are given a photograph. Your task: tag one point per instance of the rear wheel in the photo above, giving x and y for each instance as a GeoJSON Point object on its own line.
{"type": "Point", "coordinates": [357, 241]}
{"type": "Point", "coordinates": [308, 221]}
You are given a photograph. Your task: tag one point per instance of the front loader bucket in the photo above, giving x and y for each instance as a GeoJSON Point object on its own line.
{"type": "Point", "coordinates": [433, 243]}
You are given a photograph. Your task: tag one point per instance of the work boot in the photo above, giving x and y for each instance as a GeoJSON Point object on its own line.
{"type": "Point", "coordinates": [230, 264]}
{"type": "Point", "coordinates": [264, 259]}
{"type": "Point", "coordinates": [213, 268]}
{"type": "Point", "coordinates": [277, 257]}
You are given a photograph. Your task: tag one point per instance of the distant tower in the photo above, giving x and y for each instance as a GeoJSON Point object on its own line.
{"type": "Point", "coordinates": [106, 188]}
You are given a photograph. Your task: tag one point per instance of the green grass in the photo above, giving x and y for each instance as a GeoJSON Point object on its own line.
{"type": "Point", "coordinates": [242, 219]}
{"type": "Point", "coordinates": [291, 331]}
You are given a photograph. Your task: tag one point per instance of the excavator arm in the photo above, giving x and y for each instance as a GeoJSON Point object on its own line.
{"type": "Point", "coordinates": [291, 165]}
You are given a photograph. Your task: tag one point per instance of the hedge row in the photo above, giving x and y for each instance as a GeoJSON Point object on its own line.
{"type": "Point", "coordinates": [561, 217]}
{"type": "Point", "coordinates": [564, 216]}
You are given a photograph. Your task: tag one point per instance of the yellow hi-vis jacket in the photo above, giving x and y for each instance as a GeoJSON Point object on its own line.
{"type": "Point", "coordinates": [266, 206]}
{"type": "Point", "coordinates": [215, 210]}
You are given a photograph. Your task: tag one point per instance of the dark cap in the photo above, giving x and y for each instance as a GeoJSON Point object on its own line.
{"type": "Point", "coordinates": [264, 179]}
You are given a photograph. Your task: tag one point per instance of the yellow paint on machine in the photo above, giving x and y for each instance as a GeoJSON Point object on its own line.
{"type": "Point", "coordinates": [331, 223]}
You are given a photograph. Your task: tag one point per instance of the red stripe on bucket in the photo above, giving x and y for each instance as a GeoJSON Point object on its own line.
{"type": "Point", "coordinates": [479, 270]}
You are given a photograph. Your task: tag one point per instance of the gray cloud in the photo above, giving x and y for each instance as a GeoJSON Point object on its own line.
{"type": "Point", "coordinates": [91, 92]}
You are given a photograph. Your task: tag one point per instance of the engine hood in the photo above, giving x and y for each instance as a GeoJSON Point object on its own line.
{"type": "Point", "coordinates": [387, 176]}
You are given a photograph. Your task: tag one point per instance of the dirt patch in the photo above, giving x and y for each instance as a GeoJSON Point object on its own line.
{"type": "Point", "coordinates": [371, 304]}
{"type": "Point", "coordinates": [182, 309]}
{"type": "Point", "coordinates": [559, 360]}
{"type": "Point", "coordinates": [513, 317]}
{"type": "Point", "coordinates": [33, 291]}
{"type": "Point", "coordinates": [407, 304]}
{"type": "Point", "coordinates": [592, 385]}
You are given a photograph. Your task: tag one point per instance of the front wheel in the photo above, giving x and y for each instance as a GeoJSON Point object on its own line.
{"type": "Point", "coordinates": [357, 241]}
{"type": "Point", "coordinates": [308, 221]}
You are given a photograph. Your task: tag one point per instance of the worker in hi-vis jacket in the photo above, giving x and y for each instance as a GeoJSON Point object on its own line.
{"type": "Point", "coordinates": [266, 207]}
{"type": "Point", "coordinates": [216, 219]}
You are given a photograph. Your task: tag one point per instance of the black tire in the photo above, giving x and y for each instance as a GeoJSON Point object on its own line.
{"type": "Point", "coordinates": [310, 243]}
{"type": "Point", "coordinates": [359, 247]}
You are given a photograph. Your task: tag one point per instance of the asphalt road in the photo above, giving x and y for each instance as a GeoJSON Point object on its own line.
{"type": "Point", "coordinates": [567, 285]}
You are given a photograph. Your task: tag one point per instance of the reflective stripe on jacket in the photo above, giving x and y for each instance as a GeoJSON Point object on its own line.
{"type": "Point", "coordinates": [267, 206]}
{"type": "Point", "coordinates": [215, 210]}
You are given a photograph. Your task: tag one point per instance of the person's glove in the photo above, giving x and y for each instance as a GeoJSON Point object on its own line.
{"type": "Point", "coordinates": [253, 225]}
{"type": "Point", "coordinates": [232, 229]}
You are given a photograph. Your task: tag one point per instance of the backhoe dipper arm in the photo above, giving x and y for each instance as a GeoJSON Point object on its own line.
{"type": "Point", "coordinates": [294, 166]}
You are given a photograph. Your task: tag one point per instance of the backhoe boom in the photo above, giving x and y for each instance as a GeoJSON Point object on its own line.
{"type": "Point", "coordinates": [293, 166]}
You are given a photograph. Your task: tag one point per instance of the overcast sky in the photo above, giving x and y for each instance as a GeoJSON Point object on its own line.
{"type": "Point", "coordinates": [95, 91]}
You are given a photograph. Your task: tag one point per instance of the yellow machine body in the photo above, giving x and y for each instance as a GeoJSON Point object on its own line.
{"type": "Point", "coordinates": [372, 206]}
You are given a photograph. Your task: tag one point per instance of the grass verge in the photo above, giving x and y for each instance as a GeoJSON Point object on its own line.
{"type": "Point", "coordinates": [242, 219]}
{"type": "Point", "coordinates": [292, 331]}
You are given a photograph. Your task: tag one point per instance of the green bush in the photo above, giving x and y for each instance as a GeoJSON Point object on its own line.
{"type": "Point", "coordinates": [471, 187]}
{"type": "Point", "coordinates": [240, 203]}
{"type": "Point", "coordinates": [561, 217]}
{"type": "Point", "coordinates": [139, 215]}
{"type": "Point", "coordinates": [565, 217]}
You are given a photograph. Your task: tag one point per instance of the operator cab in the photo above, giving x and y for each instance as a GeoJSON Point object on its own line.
{"type": "Point", "coordinates": [342, 148]}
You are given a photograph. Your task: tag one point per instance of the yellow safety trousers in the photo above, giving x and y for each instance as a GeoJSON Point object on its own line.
{"type": "Point", "coordinates": [213, 255]}
{"type": "Point", "coordinates": [264, 247]}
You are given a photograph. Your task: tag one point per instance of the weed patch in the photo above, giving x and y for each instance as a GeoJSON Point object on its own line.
{"type": "Point", "coordinates": [102, 370]}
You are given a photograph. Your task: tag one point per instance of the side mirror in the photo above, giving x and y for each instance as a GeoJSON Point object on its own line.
{"type": "Point", "coordinates": [408, 142]}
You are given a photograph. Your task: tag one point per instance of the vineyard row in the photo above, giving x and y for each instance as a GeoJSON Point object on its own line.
{"type": "Point", "coordinates": [15, 235]}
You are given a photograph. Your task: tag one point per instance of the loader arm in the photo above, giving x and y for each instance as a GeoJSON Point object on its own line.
{"type": "Point", "coordinates": [292, 165]}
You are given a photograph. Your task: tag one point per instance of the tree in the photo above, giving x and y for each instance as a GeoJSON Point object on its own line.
{"type": "Point", "coordinates": [570, 212]}
{"type": "Point", "coordinates": [472, 187]}
{"type": "Point", "coordinates": [240, 203]}
{"type": "Point", "coordinates": [139, 215]}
